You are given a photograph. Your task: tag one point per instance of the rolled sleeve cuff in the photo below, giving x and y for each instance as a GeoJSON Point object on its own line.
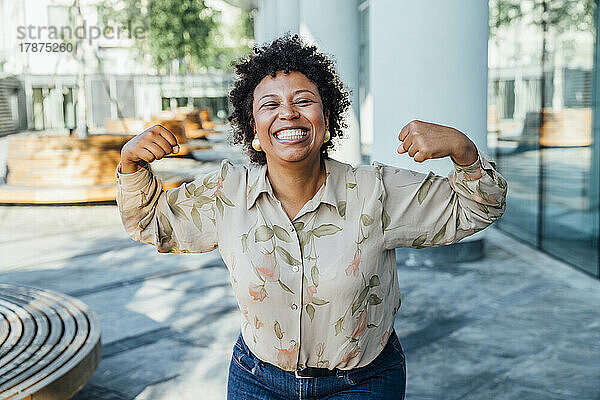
{"type": "Point", "coordinates": [482, 161]}
{"type": "Point", "coordinates": [471, 167]}
{"type": "Point", "coordinates": [134, 181]}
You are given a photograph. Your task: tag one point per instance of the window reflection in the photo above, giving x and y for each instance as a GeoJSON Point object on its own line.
{"type": "Point", "coordinates": [540, 123]}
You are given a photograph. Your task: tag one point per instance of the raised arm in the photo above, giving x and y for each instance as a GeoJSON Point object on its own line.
{"type": "Point", "coordinates": [178, 220]}
{"type": "Point", "coordinates": [428, 210]}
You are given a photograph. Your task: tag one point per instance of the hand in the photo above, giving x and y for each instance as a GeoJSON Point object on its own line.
{"type": "Point", "coordinates": [425, 140]}
{"type": "Point", "coordinates": [152, 144]}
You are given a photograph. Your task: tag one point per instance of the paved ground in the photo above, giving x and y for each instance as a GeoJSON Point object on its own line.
{"type": "Point", "coordinates": [515, 325]}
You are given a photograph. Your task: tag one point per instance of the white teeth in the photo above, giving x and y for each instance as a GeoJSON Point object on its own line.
{"type": "Point", "coordinates": [291, 134]}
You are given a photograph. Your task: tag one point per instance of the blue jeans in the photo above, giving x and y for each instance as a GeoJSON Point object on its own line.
{"type": "Point", "coordinates": [253, 379]}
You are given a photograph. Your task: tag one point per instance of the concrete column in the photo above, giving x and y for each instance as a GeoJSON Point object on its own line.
{"type": "Point", "coordinates": [275, 18]}
{"type": "Point", "coordinates": [334, 26]}
{"type": "Point", "coordinates": [429, 62]}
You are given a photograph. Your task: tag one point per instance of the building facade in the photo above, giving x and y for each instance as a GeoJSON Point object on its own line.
{"type": "Point", "coordinates": [40, 90]}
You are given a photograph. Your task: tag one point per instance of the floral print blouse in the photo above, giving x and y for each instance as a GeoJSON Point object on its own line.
{"type": "Point", "coordinates": [320, 290]}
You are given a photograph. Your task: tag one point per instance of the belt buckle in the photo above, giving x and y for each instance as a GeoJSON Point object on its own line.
{"type": "Point", "coordinates": [300, 376]}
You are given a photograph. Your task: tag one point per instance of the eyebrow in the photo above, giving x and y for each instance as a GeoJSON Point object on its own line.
{"type": "Point", "coordinates": [296, 92]}
{"type": "Point", "coordinates": [304, 90]}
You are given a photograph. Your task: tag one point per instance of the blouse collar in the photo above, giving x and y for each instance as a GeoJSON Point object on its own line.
{"type": "Point", "coordinates": [335, 191]}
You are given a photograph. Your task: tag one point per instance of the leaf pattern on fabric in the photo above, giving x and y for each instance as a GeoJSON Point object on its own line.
{"type": "Point", "coordinates": [424, 190]}
{"type": "Point", "coordinates": [314, 274]}
{"type": "Point", "coordinates": [263, 233]}
{"type": "Point", "coordinates": [385, 220]}
{"type": "Point", "coordinates": [325, 229]}
{"type": "Point", "coordinates": [143, 199]}
{"type": "Point", "coordinates": [366, 219]}
{"type": "Point", "coordinates": [277, 329]}
{"type": "Point", "coordinates": [175, 209]}
{"type": "Point", "coordinates": [244, 240]}
{"type": "Point", "coordinates": [310, 310]}
{"type": "Point", "coordinates": [282, 234]}
{"type": "Point", "coordinates": [196, 218]}
{"type": "Point", "coordinates": [167, 229]}
{"type": "Point", "coordinates": [341, 206]}
{"type": "Point", "coordinates": [419, 240]}
{"type": "Point", "coordinates": [287, 257]}
{"type": "Point", "coordinates": [437, 238]}
{"type": "Point", "coordinates": [284, 287]}
{"type": "Point", "coordinates": [339, 326]}
{"type": "Point", "coordinates": [337, 263]}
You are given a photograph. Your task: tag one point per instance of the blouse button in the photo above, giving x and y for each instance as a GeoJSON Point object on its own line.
{"type": "Point", "coordinates": [295, 268]}
{"type": "Point", "coordinates": [294, 307]}
{"type": "Point", "coordinates": [293, 342]}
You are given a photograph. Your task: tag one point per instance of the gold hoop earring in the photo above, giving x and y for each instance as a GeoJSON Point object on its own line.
{"type": "Point", "coordinates": [327, 137]}
{"type": "Point", "coordinates": [256, 144]}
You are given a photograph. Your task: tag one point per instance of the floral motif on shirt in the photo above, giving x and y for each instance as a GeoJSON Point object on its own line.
{"type": "Point", "coordinates": [362, 301]}
{"type": "Point", "coordinates": [269, 269]}
{"type": "Point", "coordinates": [364, 221]}
{"type": "Point", "coordinates": [332, 278]}
{"type": "Point", "coordinates": [307, 239]}
{"type": "Point", "coordinates": [286, 357]}
{"type": "Point", "coordinates": [319, 349]}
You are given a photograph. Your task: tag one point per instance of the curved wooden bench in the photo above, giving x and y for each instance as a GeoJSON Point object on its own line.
{"type": "Point", "coordinates": [49, 344]}
{"type": "Point", "coordinates": [67, 170]}
{"type": "Point", "coordinates": [11, 194]}
{"type": "Point", "coordinates": [50, 161]}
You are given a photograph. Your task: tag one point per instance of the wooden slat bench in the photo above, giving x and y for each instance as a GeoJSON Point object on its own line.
{"type": "Point", "coordinates": [49, 344]}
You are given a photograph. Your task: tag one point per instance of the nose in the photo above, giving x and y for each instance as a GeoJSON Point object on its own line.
{"type": "Point", "coordinates": [287, 111]}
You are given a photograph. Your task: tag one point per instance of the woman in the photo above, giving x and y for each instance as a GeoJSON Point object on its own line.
{"type": "Point", "coordinates": [309, 241]}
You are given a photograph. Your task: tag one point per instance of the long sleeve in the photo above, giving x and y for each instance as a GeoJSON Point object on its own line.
{"type": "Point", "coordinates": [178, 220]}
{"type": "Point", "coordinates": [421, 210]}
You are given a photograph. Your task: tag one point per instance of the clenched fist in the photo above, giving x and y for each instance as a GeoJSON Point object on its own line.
{"type": "Point", "coordinates": [425, 140]}
{"type": "Point", "coordinates": [152, 144]}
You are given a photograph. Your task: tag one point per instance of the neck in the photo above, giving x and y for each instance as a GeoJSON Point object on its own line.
{"type": "Point", "coordinates": [296, 183]}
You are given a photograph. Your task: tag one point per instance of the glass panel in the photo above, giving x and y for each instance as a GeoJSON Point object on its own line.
{"type": "Point", "coordinates": [165, 103]}
{"type": "Point", "coordinates": [515, 82]}
{"type": "Point", "coordinates": [218, 106]}
{"type": "Point", "coordinates": [570, 202]}
{"type": "Point", "coordinates": [543, 102]}
{"type": "Point", "coordinates": [100, 107]}
{"type": "Point", "coordinates": [125, 96]}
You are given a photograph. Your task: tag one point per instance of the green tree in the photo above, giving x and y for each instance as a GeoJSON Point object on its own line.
{"type": "Point", "coordinates": [561, 15]}
{"type": "Point", "coordinates": [183, 30]}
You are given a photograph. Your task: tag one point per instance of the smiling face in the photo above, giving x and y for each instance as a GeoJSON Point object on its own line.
{"type": "Point", "coordinates": [288, 118]}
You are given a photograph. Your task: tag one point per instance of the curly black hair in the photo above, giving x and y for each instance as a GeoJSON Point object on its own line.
{"type": "Point", "coordinates": [287, 53]}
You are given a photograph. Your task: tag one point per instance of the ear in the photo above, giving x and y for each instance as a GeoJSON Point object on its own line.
{"type": "Point", "coordinates": [327, 120]}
